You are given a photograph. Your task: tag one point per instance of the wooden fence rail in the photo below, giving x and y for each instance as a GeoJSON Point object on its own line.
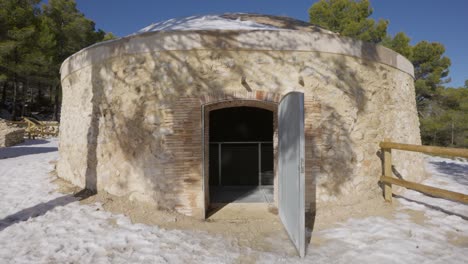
{"type": "Point", "coordinates": [454, 152]}
{"type": "Point", "coordinates": [388, 180]}
{"type": "Point", "coordinates": [35, 128]}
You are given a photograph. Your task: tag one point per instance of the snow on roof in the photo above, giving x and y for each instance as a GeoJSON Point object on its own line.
{"type": "Point", "coordinates": [206, 22]}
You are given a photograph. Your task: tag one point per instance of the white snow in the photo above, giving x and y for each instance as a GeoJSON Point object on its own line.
{"type": "Point", "coordinates": [39, 225]}
{"type": "Point", "coordinates": [207, 22]}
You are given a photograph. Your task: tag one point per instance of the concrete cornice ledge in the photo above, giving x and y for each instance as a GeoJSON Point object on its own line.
{"type": "Point", "coordinates": [235, 40]}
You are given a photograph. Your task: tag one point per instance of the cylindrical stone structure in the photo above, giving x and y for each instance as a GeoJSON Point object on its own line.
{"type": "Point", "coordinates": [135, 110]}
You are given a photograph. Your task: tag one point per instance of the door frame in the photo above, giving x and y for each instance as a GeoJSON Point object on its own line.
{"type": "Point", "coordinates": [205, 111]}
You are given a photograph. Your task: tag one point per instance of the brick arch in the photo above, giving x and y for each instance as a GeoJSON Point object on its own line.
{"type": "Point", "coordinates": [258, 99]}
{"type": "Point", "coordinates": [255, 95]}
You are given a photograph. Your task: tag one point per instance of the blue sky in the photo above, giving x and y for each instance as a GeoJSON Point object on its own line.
{"type": "Point", "coordinates": [433, 20]}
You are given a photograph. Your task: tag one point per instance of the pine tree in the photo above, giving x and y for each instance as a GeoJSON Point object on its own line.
{"type": "Point", "coordinates": [34, 41]}
{"type": "Point", "coordinates": [349, 18]}
{"type": "Point", "coordinates": [71, 31]}
{"type": "Point", "coordinates": [399, 43]}
{"type": "Point", "coordinates": [430, 67]}
{"type": "Point", "coordinates": [19, 56]}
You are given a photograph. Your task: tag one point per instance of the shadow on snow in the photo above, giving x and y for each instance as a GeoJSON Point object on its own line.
{"type": "Point", "coordinates": [42, 208]}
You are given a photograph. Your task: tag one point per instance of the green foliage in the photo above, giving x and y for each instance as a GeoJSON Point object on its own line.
{"type": "Point", "coordinates": [109, 36]}
{"type": "Point", "coordinates": [349, 18]}
{"type": "Point", "coordinates": [447, 122]}
{"type": "Point", "coordinates": [443, 111]}
{"type": "Point", "coordinates": [34, 41]}
{"type": "Point", "coordinates": [399, 43]}
{"type": "Point", "coordinates": [430, 67]}
{"type": "Point", "coordinates": [70, 29]}
{"type": "Point", "coordinates": [439, 108]}
{"type": "Point", "coordinates": [18, 37]}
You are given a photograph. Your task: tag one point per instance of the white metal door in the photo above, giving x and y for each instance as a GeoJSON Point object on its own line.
{"type": "Point", "coordinates": [291, 198]}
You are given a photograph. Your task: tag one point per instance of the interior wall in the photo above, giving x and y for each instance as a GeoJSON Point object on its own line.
{"type": "Point", "coordinates": [238, 138]}
{"type": "Point", "coordinates": [241, 124]}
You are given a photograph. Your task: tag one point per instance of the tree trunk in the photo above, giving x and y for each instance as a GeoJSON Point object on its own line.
{"type": "Point", "coordinates": [31, 95]}
{"type": "Point", "coordinates": [24, 96]}
{"type": "Point", "coordinates": [4, 93]}
{"type": "Point", "coordinates": [40, 94]}
{"type": "Point", "coordinates": [15, 91]}
{"type": "Point", "coordinates": [452, 132]}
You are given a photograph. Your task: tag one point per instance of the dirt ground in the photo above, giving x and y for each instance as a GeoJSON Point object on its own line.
{"type": "Point", "coordinates": [254, 225]}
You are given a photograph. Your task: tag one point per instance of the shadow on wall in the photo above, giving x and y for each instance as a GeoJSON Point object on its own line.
{"type": "Point", "coordinates": [395, 171]}
{"type": "Point", "coordinates": [93, 133]}
{"type": "Point", "coordinates": [134, 98]}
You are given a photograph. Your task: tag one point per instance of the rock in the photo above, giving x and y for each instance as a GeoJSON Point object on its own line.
{"type": "Point", "coordinates": [10, 135]}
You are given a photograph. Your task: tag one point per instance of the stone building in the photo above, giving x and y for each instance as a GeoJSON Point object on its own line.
{"type": "Point", "coordinates": [188, 112]}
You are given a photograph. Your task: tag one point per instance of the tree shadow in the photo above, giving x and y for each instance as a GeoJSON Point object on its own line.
{"type": "Point", "coordinates": [42, 208]}
{"type": "Point", "coordinates": [30, 142]}
{"type": "Point", "coordinates": [455, 171]}
{"type": "Point", "coordinates": [145, 146]}
{"type": "Point", "coordinates": [434, 207]}
{"type": "Point", "coordinates": [92, 136]}
{"type": "Point", "coordinates": [35, 211]}
{"type": "Point", "coordinates": [6, 153]}
{"type": "Point", "coordinates": [148, 95]}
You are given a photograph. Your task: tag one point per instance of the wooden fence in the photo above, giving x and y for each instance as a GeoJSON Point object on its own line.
{"type": "Point", "coordinates": [388, 180]}
{"type": "Point", "coordinates": [35, 128]}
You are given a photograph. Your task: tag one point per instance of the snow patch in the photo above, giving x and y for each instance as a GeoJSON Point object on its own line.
{"type": "Point", "coordinates": [39, 225]}
{"type": "Point", "coordinates": [207, 22]}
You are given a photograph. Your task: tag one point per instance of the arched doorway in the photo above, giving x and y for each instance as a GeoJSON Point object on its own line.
{"type": "Point", "coordinates": [231, 122]}
{"type": "Point", "coordinates": [241, 155]}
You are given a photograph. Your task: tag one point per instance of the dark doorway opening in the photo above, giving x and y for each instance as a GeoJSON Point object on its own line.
{"type": "Point", "coordinates": [241, 155]}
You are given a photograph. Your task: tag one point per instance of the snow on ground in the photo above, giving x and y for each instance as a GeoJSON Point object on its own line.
{"type": "Point", "coordinates": [39, 225]}
{"type": "Point", "coordinates": [206, 22]}
{"type": "Point", "coordinates": [451, 217]}
{"type": "Point", "coordinates": [441, 236]}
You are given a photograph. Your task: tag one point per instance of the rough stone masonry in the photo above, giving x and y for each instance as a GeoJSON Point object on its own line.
{"type": "Point", "coordinates": [132, 110]}
{"type": "Point", "coordinates": [10, 135]}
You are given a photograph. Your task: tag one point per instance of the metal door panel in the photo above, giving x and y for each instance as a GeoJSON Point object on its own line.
{"type": "Point", "coordinates": [291, 197]}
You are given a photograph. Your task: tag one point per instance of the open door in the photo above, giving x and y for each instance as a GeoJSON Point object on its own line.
{"type": "Point", "coordinates": [291, 197]}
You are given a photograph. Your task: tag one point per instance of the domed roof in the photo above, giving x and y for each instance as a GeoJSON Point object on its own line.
{"type": "Point", "coordinates": [232, 21]}
{"type": "Point", "coordinates": [236, 31]}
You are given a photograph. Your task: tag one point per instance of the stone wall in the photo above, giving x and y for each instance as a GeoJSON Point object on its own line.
{"type": "Point", "coordinates": [10, 135]}
{"type": "Point", "coordinates": [77, 141]}
{"type": "Point", "coordinates": [131, 125]}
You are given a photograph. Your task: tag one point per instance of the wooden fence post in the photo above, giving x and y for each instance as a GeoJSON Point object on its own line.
{"type": "Point", "coordinates": [387, 153]}
{"type": "Point", "coordinates": [388, 180]}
